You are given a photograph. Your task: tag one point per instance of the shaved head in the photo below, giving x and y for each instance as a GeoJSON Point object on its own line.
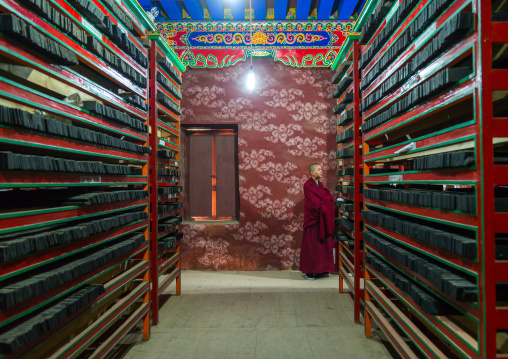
{"type": "Point", "coordinates": [313, 166]}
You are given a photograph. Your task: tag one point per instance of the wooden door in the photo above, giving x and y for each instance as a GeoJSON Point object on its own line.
{"type": "Point", "coordinates": [226, 175]}
{"type": "Point", "coordinates": [200, 170]}
{"type": "Point", "coordinates": [213, 175]}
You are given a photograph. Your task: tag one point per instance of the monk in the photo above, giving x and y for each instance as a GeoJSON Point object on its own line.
{"type": "Point", "coordinates": [316, 256]}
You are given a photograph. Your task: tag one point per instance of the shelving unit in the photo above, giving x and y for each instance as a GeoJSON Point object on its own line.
{"type": "Point", "coordinates": [350, 172]}
{"type": "Point", "coordinates": [434, 148]}
{"type": "Point", "coordinates": [74, 176]}
{"type": "Point", "coordinates": [165, 96]}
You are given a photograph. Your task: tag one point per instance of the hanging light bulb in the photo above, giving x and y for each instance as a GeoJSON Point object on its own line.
{"type": "Point", "coordinates": [251, 79]}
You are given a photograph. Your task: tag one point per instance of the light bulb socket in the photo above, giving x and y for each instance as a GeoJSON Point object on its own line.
{"type": "Point", "coordinates": [250, 67]}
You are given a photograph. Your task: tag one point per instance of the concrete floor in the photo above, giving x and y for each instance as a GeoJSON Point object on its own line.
{"type": "Point", "coordinates": [269, 314]}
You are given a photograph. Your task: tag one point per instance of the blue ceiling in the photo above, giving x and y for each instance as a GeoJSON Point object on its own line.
{"type": "Point", "coordinates": [264, 10]}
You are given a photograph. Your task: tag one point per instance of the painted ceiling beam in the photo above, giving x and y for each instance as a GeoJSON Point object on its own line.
{"type": "Point", "coordinates": [302, 9]}
{"type": "Point", "coordinates": [237, 10]}
{"type": "Point", "coordinates": [216, 9]}
{"type": "Point", "coordinates": [324, 9]}
{"type": "Point", "coordinates": [172, 8]}
{"type": "Point", "coordinates": [259, 7]}
{"type": "Point", "coordinates": [195, 9]}
{"type": "Point", "coordinates": [345, 9]}
{"type": "Point", "coordinates": [281, 9]}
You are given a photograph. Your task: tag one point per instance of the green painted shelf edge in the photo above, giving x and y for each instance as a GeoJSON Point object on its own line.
{"type": "Point", "coordinates": [344, 49]}
{"type": "Point", "coordinates": [173, 57]}
{"type": "Point", "coordinates": [140, 14]}
{"type": "Point", "coordinates": [367, 10]}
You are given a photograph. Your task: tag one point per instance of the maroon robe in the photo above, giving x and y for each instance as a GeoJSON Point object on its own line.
{"type": "Point", "coordinates": [316, 255]}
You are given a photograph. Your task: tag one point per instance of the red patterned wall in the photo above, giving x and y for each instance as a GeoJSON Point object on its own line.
{"type": "Point", "coordinates": [286, 124]}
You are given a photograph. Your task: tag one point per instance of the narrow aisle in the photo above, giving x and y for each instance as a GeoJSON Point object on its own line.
{"type": "Point", "coordinates": [258, 315]}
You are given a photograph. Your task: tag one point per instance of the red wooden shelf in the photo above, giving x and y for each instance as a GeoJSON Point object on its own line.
{"type": "Point", "coordinates": [10, 6]}
{"type": "Point", "coordinates": [170, 230]}
{"type": "Point", "coordinates": [350, 215]}
{"type": "Point", "coordinates": [166, 75]}
{"type": "Point", "coordinates": [44, 179]}
{"type": "Point", "coordinates": [350, 197]}
{"type": "Point", "coordinates": [163, 283]}
{"type": "Point", "coordinates": [170, 146]}
{"type": "Point", "coordinates": [168, 181]}
{"type": "Point", "coordinates": [69, 77]}
{"type": "Point", "coordinates": [82, 341]}
{"type": "Point", "coordinates": [395, 339]}
{"type": "Point", "coordinates": [346, 261]}
{"type": "Point", "coordinates": [446, 137]}
{"type": "Point", "coordinates": [350, 281]}
{"type": "Point", "coordinates": [43, 258]}
{"type": "Point", "coordinates": [348, 90]}
{"type": "Point", "coordinates": [451, 259]}
{"type": "Point", "coordinates": [466, 308]}
{"type": "Point", "coordinates": [345, 162]}
{"type": "Point", "coordinates": [167, 111]}
{"type": "Point", "coordinates": [175, 249]}
{"type": "Point", "coordinates": [41, 142]}
{"type": "Point", "coordinates": [119, 282]}
{"type": "Point", "coordinates": [412, 49]}
{"type": "Point", "coordinates": [27, 97]}
{"type": "Point", "coordinates": [128, 325]}
{"type": "Point", "coordinates": [441, 176]}
{"type": "Point", "coordinates": [167, 163]}
{"type": "Point", "coordinates": [348, 232]}
{"type": "Point", "coordinates": [9, 49]}
{"type": "Point", "coordinates": [168, 198]}
{"type": "Point", "coordinates": [167, 93]}
{"type": "Point", "coordinates": [13, 313]}
{"type": "Point", "coordinates": [467, 345]}
{"type": "Point", "coordinates": [458, 94]}
{"type": "Point", "coordinates": [346, 178]}
{"type": "Point", "coordinates": [446, 217]}
{"type": "Point", "coordinates": [91, 30]}
{"type": "Point", "coordinates": [168, 128]}
{"type": "Point", "coordinates": [168, 263]}
{"type": "Point", "coordinates": [346, 248]}
{"type": "Point", "coordinates": [451, 57]}
{"type": "Point", "coordinates": [33, 218]}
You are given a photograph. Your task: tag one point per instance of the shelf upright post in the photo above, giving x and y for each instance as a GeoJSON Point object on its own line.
{"type": "Point", "coordinates": [164, 102]}
{"type": "Point", "coordinates": [358, 180]}
{"type": "Point", "coordinates": [154, 232]}
{"type": "Point", "coordinates": [492, 127]}
{"type": "Point", "coordinates": [347, 63]}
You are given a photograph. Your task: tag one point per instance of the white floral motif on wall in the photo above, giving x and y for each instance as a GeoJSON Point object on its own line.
{"type": "Point", "coordinates": [253, 158]}
{"type": "Point", "coordinates": [275, 208]}
{"type": "Point", "coordinates": [216, 253]}
{"type": "Point", "coordinates": [232, 108]}
{"type": "Point", "coordinates": [254, 194]}
{"type": "Point", "coordinates": [204, 96]}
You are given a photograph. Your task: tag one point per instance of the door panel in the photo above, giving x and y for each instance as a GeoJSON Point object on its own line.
{"type": "Point", "coordinates": [200, 170]}
{"type": "Point", "coordinates": [226, 175]}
